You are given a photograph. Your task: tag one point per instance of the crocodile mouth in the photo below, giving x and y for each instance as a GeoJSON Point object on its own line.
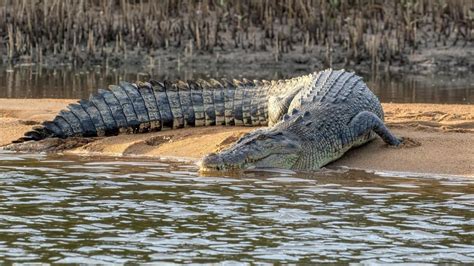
{"type": "Point", "coordinates": [221, 162]}
{"type": "Point", "coordinates": [259, 149]}
{"type": "Point", "coordinates": [231, 162]}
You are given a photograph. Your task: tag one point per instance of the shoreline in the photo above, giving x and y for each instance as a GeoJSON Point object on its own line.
{"type": "Point", "coordinates": [441, 138]}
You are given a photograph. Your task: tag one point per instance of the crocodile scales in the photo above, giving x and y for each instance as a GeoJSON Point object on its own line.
{"type": "Point", "coordinates": [312, 119]}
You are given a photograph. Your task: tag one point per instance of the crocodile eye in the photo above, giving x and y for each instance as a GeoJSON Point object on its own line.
{"type": "Point", "coordinates": [261, 137]}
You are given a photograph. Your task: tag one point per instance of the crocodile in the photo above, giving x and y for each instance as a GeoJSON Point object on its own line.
{"type": "Point", "coordinates": [311, 120]}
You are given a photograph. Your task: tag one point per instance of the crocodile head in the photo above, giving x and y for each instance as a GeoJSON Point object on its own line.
{"type": "Point", "coordinates": [262, 148]}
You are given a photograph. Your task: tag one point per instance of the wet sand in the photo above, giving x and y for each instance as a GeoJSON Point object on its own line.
{"type": "Point", "coordinates": [441, 138]}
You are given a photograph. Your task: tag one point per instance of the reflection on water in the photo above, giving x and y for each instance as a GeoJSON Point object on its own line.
{"type": "Point", "coordinates": [65, 210]}
{"type": "Point", "coordinates": [33, 82]}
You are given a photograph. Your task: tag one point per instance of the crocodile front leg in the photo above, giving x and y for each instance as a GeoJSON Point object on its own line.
{"type": "Point", "coordinates": [366, 121]}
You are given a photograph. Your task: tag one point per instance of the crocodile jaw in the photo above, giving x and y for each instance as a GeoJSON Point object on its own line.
{"type": "Point", "coordinates": [228, 162]}
{"type": "Point", "coordinates": [259, 149]}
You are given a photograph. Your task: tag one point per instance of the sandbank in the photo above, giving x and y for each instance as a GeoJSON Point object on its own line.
{"type": "Point", "coordinates": [441, 138]}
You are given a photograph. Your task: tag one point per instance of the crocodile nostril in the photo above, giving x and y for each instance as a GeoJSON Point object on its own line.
{"type": "Point", "coordinates": [211, 160]}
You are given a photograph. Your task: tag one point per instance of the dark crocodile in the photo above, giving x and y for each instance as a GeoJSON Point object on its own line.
{"type": "Point", "coordinates": [312, 119]}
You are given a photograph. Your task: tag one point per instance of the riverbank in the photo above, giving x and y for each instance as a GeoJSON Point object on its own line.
{"type": "Point", "coordinates": [426, 37]}
{"type": "Point", "coordinates": [441, 138]}
{"type": "Point", "coordinates": [443, 59]}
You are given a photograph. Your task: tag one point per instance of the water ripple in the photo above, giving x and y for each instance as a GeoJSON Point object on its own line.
{"type": "Point", "coordinates": [57, 209]}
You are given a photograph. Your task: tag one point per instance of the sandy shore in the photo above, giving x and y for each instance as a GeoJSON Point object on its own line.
{"type": "Point", "coordinates": [442, 138]}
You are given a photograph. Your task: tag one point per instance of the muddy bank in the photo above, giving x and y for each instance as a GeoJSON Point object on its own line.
{"type": "Point", "coordinates": [441, 60]}
{"type": "Point", "coordinates": [442, 138]}
{"type": "Point", "coordinates": [428, 36]}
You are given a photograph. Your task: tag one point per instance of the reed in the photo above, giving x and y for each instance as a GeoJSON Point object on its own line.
{"type": "Point", "coordinates": [374, 30]}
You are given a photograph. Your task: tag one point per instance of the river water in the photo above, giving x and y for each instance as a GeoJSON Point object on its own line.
{"type": "Point", "coordinates": [34, 82]}
{"type": "Point", "coordinates": [115, 210]}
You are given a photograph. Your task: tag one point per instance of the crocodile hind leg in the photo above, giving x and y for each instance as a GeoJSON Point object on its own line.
{"type": "Point", "coordinates": [365, 121]}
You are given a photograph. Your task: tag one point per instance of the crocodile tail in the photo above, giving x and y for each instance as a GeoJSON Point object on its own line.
{"type": "Point", "coordinates": [101, 115]}
{"type": "Point", "coordinates": [154, 106]}
{"type": "Point", "coordinates": [39, 132]}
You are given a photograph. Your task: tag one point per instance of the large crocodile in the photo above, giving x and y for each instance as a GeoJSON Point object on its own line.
{"type": "Point", "coordinates": [312, 119]}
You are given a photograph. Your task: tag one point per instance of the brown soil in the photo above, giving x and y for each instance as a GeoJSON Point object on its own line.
{"type": "Point", "coordinates": [438, 138]}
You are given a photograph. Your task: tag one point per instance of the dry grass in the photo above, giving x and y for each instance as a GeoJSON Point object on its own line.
{"type": "Point", "coordinates": [379, 31]}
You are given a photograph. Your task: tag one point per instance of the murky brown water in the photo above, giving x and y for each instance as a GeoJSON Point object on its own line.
{"type": "Point", "coordinates": [34, 82]}
{"type": "Point", "coordinates": [91, 210]}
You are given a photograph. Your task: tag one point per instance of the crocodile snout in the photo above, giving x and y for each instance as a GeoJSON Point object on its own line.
{"type": "Point", "coordinates": [211, 161]}
{"type": "Point", "coordinates": [222, 161]}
